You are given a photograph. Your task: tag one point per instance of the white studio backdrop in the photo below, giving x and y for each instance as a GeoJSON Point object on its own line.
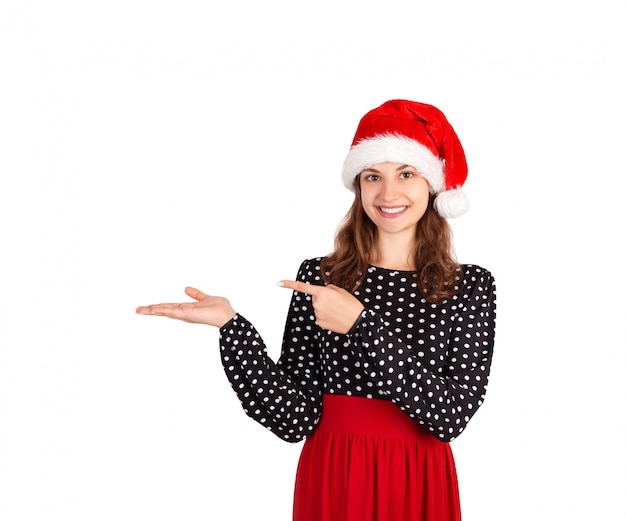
{"type": "Point", "coordinates": [146, 146]}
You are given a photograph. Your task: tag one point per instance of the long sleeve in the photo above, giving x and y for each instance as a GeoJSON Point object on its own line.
{"type": "Point", "coordinates": [438, 373]}
{"type": "Point", "coordinates": [285, 396]}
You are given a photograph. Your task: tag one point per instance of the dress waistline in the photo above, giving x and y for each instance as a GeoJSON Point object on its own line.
{"type": "Point", "coordinates": [369, 416]}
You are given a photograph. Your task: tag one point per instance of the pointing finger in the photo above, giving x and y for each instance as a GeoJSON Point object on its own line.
{"type": "Point", "coordinates": [302, 287]}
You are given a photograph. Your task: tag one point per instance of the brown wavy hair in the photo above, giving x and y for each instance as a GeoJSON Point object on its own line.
{"type": "Point", "coordinates": [437, 269]}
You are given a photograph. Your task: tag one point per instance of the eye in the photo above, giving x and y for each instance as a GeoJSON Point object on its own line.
{"type": "Point", "coordinates": [372, 177]}
{"type": "Point", "coordinates": [407, 174]}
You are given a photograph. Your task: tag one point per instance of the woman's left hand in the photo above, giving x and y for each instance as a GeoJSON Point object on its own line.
{"type": "Point", "coordinates": [335, 308]}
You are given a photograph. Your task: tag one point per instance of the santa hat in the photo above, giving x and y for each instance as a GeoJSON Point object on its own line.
{"type": "Point", "coordinates": [417, 135]}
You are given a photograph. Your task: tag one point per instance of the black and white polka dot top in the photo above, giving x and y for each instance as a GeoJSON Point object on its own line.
{"type": "Point", "coordinates": [431, 360]}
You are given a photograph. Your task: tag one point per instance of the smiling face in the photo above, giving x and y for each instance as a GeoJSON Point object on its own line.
{"type": "Point", "coordinates": [394, 197]}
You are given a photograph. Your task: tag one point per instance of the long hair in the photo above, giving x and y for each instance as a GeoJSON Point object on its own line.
{"type": "Point", "coordinates": [437, 269]}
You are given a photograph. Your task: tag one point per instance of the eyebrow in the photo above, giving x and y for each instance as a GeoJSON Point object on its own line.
{"type": "Point", "coordinates": [401, 167]}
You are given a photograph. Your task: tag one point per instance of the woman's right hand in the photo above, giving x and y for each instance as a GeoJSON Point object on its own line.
{"type": "Point", "coordinates": [214, 311]}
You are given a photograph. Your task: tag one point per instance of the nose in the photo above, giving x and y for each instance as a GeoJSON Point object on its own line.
{"type": "Point", "coordinates": [388, 190]}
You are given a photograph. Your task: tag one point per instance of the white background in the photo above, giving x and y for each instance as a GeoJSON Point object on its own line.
{"type": "Point", "coordinates": [146, 146]}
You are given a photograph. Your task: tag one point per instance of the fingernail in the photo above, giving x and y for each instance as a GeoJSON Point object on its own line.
{"type": "Point", "coordinates": [280, 283]}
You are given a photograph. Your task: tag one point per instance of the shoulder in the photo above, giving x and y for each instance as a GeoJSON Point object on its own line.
{"type": "Point", "coordinates": [475, 279]}
{"type": "Point", "coordinates": [310, 270]}
{"type": "Point", "coordinates": [472, 272]}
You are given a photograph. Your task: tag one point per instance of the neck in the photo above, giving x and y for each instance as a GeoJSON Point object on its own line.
{"type": "Point", "coordinates": [394, 252]}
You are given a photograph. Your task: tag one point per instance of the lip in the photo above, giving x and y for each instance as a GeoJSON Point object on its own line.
{"type": "Point", "coordinates": [392, 212]}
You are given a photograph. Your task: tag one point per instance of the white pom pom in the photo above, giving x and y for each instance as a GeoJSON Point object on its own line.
{"type": "Point", "coordinates": [451, 203]}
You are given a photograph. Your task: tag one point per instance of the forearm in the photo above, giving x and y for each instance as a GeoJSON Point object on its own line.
{"type": "Point", "coordinates": [418, 380]}
{"type": "Point", "coordinates": [288, 407]}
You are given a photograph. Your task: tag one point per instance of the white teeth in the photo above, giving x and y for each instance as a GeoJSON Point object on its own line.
{"type": "Point", "coordinates": [392, 210]}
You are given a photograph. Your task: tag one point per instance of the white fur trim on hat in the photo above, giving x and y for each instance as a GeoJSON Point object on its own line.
{"type": "Point", "coordinates": [395, 149]}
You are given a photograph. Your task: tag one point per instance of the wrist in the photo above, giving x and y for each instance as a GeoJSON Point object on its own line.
{"type": "Point", "coordinates": [226, 318]}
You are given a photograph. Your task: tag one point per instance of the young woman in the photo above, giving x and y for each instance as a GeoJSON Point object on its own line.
{"type": "Point", "coordinates": [388, 341]}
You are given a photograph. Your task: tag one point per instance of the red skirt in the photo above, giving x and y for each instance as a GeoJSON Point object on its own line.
{"type": "Point", "coordinates": [368, 461]}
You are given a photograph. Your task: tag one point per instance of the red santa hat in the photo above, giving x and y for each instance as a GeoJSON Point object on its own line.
{"type": "Point", "coordinates": [417, 135]}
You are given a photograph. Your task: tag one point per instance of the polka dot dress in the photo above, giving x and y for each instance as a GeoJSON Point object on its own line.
{"type": "Point", "coordinates": [428, 363]}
